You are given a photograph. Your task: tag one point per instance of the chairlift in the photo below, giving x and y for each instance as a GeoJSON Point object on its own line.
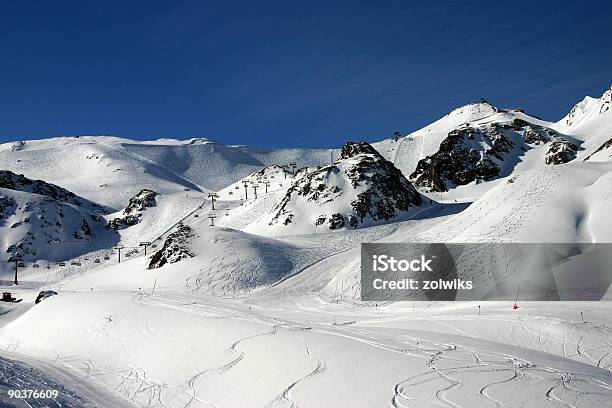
{"type": "Point", "coordinates": [96, 260]}
{"type": "Point", "coordinates": [106, 258]}
{"type": "Point", "coordinates": [75, 263]}
{"type": "Point", "coordinates": [35, 266]}
{"type": "Point", "coordinates": [62, 264]}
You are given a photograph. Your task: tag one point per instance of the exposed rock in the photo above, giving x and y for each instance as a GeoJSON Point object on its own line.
{"type": "Point", "coordinates": [18, 146]}
{"type": "Point", "coordinates": [360, 187]}
{"type": "Point", "coordinates": [531, 133]}
{"type": "Point", "coordinates": [132, 214]}
{"type": "Point", "coordinates": [176, 247]}
{"type": "Point", "coordinates": [468, 154]}
{"type": "Point", "coordinates": [561, 151]}
{"type": "Point", "coordinates": [353, 149]}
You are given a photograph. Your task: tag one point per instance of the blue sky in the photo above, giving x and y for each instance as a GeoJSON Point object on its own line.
{"type": "Point", "coordinates": [279, 73]}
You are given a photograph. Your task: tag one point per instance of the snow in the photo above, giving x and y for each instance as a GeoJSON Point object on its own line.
{"type": "Point", "coordinates": [266, 316]}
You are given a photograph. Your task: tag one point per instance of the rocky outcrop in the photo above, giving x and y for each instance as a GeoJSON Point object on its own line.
{"type": "Point", "coordinates": [468, 154]}
{"type": "Point", "coordinates": [561, 151]}
{"type": "Point", "coordinates": [176, 247]}
{"type": "Point", "coordinates": [361, 187]}
{"type": "Point", "coordinates": [132, 214]}
{"type": "Point", "coordinates": [477, 153]}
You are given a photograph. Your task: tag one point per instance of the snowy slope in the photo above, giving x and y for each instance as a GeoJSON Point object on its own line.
{"type": "Point", "coordinates": [44, 221]}
{"type": "Point", "coordinates": [591, 121]}
{"type": "Point", "coordinates": [96, 168]}
{"type": "Point", "coordinates": [110, 170]}
{"type": "Point", "coordinates": [226, 316]}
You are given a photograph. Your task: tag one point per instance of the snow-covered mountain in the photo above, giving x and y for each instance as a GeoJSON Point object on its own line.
{"type": "Point", "coordinates": [359, 189]}
{"type": "Point", "coordinates": [486, 151]}
{"type": "Point", "coordinates": [264, 289]}
{"type": "Point", "coordinates": [39, 220]}
{"type": "Point", "coordinates": [111, 170]}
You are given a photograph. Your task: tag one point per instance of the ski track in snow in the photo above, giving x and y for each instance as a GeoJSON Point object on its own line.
{"type": "Point", "coordinates": [466, 361]}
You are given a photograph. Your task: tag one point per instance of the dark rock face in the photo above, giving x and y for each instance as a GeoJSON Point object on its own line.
{"type": "Point", "coordinates": [478, 154]}
{"type": "Point", "coordinates": [176, 247]}
{"type": "Point", "coordinates": [352, 149]}
{"type": "Point", "coordinates": [336, 221]}
{"type": "Point", "coordinates": [373, 188]}
{"type": "Point", "coordinates": [18, 146]}
{"type": "Point", "coordinates": [561, 151]}
{"type": "Point", "coordinates": [462, 159]}
{"type": "Point", "coordinates": [532, 134]}
{"type": "Point", "coordinates": [133, 212]}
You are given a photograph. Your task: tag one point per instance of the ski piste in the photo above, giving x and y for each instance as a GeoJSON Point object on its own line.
{"type": "Point", "coordinates": [257, 301]}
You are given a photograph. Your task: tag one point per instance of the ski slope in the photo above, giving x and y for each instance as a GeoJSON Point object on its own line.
{"type": "Point", "coordinates": [258, 316]}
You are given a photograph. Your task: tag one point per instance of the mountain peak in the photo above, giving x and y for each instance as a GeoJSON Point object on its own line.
{"type": "Point", "coordinates": [352, 149]}
{"type": "Point", "coordinates": [587, 108]}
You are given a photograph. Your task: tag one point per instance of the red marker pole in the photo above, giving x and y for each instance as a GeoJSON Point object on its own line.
{"type": "Point", "coordinates": [516, 300]}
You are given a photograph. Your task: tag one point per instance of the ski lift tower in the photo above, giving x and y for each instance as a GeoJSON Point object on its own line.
{"type": "Point", "coordinates": [212, 220]}
{"type": "Point", "coordinates": [212, 197]}
{"type": "Point", "coordinates": [119, 248]}
{"type": "Point", "coordinates": [267, 184]}
{"type": "Point", "coordinates": [293, 165]}
{"type": "Point", "coordinates": [145, 244]}
{"type": "Point", "coordinates": [17, 262]}
{"type": "Point", "coordinates": [246, 193]}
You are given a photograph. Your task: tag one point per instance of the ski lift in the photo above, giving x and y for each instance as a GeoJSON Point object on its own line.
{"type": "Point", "coordinates": [96, 260]}
{"type": "Point", "coordinates": [62, 264]}
{"type": "Point", "coordinates": [75, 263]}
{"type": "Point", "coordinates": [35, 266]}
{"type": "Point", "coordinates": [106, 258]}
